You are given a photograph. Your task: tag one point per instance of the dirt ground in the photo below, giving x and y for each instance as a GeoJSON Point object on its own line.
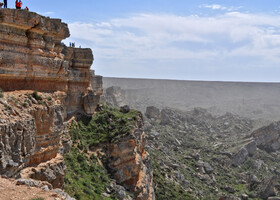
{"type": "Point", "coordinates": [10, 191]}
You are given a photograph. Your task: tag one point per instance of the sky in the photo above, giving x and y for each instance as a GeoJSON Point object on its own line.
{"type": "Point", "coordinates": [229, 40]}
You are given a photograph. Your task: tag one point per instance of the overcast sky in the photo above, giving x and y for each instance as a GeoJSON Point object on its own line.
{"type": "Point", "coordinates": [226, 40]}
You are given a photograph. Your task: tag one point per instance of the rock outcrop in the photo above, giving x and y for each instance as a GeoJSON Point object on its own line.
{"type": "Point", "coordinates": [249, 149]}
{"type": "Point", "coordinates": [30, 130]}
{"type": "Point", "coordinates": [46, 83]}
{"type": "Point", "coordinates": [268, 137]}
{"type": "Point", "coordinates": [115, 96]}
{"type": "Point", "coordinates": [130, 163]}
{"type": "Point", "coordinates": [32, 57]}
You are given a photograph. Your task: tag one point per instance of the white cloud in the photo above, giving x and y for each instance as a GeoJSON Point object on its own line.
{"type": "Point", "coordinates": [220, 7]}
{"type": "Point", "coordinates": [167, 38]}
{"type": "Point", "coordinates": [49, 13]}
{"type": "Point", "coordinates": [215, 7]}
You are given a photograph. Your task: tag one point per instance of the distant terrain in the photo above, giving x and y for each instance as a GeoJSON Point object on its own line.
{"type": "Point", "coordinates": [207, 140]}
{"type": "Point", "coordinates": [253, 100]}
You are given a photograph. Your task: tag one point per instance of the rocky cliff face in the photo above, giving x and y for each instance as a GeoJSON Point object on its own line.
{"type": "Point", "coordinates": [30, 130]}
{"type": "Point", "coordinates": [113, 140]}
{"type": "Point", "coordinates": [32, 57]}
{"type": "Point", "coordinates": [131, 164]}
{"type": "Point", "coordinates": [45, 83]}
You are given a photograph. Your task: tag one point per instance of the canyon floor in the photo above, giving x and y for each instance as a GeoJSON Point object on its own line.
{"type": "Point", "coordinates": [207, 140]}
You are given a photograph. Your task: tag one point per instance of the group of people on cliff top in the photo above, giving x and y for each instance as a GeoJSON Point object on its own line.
{"type": "Point", "coordinates": [18, 4]}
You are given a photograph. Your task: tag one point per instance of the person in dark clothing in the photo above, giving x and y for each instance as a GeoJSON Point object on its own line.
{"type": "Point", "coordinates": [5, 4]}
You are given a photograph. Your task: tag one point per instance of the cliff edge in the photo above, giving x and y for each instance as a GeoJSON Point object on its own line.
{"type": "Point", "coordinates": [44, 88]}
{"type": "Point", "coordinates": [32, 57]}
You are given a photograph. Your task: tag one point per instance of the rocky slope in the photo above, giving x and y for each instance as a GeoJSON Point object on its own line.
{"type": "Point", "coordinates": [113, 143]}
{"type": "Point", "coordinates": [198, 155]}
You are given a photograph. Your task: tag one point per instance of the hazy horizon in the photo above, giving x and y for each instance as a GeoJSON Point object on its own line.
{"type": "Point", "coordinates": [222, 81]}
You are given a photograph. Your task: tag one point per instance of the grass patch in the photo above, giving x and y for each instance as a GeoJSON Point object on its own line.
{"type": "Point", "coordinates": [108, 125]}
{"type": "Point", "coordinates": [85, 177]}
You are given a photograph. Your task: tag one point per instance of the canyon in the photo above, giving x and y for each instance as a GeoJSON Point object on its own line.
{"type": "Point", "coordinates": [46, 87]}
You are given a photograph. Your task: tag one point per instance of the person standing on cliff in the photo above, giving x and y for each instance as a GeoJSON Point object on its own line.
{"type": "Point", "coordinates": [18, 4]}
{"type": "Point", "coordinates": [5, 4]}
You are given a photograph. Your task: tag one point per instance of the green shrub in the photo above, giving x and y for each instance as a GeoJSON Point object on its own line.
{"type": "Point", "coordinates": [37, 198]}
{"type": "Point", "coordinates": [85, 178]}
{"type": "Point", "coordinates": [108, 125]}
{"type": "Point", "coordinates": [1, 93]}
{"type": "Point", "coordinates": [36, 96]}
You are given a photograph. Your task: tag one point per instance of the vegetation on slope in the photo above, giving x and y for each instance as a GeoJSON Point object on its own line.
{"type": "Point", "coordinates": [181, 147]}
{"type": "Point", "coordinates": [167, 190]}
{"type": "Point", "coordinates": [86, 177]}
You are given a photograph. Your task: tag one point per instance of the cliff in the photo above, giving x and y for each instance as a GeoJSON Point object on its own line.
{"type": "Point", "coordinates": [48, 86]}
{"type": "Point", "coordinates": [112, 143]}
{"type": "Point", "coordinates": [30, 130]}
{"type": "Point", "coordinates": [32, 57]}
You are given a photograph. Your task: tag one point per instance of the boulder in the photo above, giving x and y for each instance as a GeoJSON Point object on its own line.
{"type": "Point", "coordinates": [125, 109]}
{"type": "Point", "coordinates": [267, 187]}
{"type": "Point", "coordinates": [268, 137]}
{"type": "Point", "coordinates": [251, 148]}
{"type": "Point", "coordinates": [240, 157]}
{"type": "Point", "coordinates": [152, 112]}
{"type": "Point", "coordinates": [90, 102]}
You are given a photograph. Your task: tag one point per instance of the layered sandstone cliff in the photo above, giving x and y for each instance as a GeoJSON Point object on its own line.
{"type": "Point", "coordinates": [32, 57]}
{"type": "Point", "coordinates": [30, 131]}
{"type": "Point", "coordinates": [45, 83]}
{"type": "Point", "coordinates": [130, 163]}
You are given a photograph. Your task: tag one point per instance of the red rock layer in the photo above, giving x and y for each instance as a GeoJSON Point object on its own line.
{"type": "Point", "coordinates": [32, 57]}
{"type": "Point", "coordinates": [131, 165]}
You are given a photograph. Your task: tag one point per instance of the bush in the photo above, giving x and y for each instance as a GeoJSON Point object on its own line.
{"type": "Point", "coordinates": [1, 93]}
{"type": "Point", "coordinates": [36, 96]}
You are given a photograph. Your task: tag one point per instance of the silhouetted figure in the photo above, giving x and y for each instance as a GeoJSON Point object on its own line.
{"type": "Point", "coordinates": [5, 4]}
{"type": "Point", "coordinates": [26, 8]}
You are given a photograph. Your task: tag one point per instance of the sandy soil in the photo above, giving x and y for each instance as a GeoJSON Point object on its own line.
{"type": "Point", "coordinates": [10, 191]}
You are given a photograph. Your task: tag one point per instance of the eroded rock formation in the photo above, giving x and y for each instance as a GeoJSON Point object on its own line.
{"type": "Point", "coordinates": [32, 57]}
{"type": "Point", "coordinates": [30, 130]}
{"type": "Point", "coordinates": [45, 82]}
{"type": "Point", "coordinates": [131, 165]}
